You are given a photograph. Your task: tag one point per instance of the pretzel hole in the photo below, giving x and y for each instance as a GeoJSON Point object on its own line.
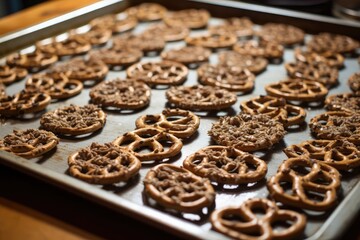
{"type": "Point", "coordinates": [315, 196]}
{"type": "Point", "coordinates": [322, 181]}
{"type": "Point", "coordinates": [301, 170]}
{"type": "Point", "coordinates": [259, 211]}
{"type": "Point", "coordinates": [144, 149]}
{"type": "Point", "coordinates": [339, 156]}
{"type": "Point", "coordinates": [173, 118]}
{"type": "Point", "coordinates": [287, 187]}
{"type": "Point", "coordinates": [281, 225]}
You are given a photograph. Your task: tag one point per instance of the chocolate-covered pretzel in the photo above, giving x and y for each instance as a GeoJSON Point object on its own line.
{"type": "Point", "coordinates": [247, 132]}
{"type": "Point", "coordinates": [354, 83]}
{"type": "Point", "coordinates": [232, 78]}
{"type": "Point", "coordinates": [123, 94]}
{"type": "Point", "coordinates": [337, 125]}
{"type": "Point", "coordinates": [200, 98]}
{"type": "Point", "coordinates": [243, 223]}
{"type": "Point", "coordinates": [169, 33]}
{"type": "Point", "coordinates": [226, 165]}
{"type": "Point", "coordinates": [190, 18]}
{"type": "Point", "coordinates": [154, 140]}
{"type": "Point", "coordinates": [177, 188]}
{"type": "Point", "coordinates": [339, 154]}
{"type": "Point", "coordinates": [180, 123]}
{"type": "Point", "coordinates": [297, 90]}
{"type": "Point", "coordinates": [276, 108]}
{"type": "Point", "coordinates": [29, 143]}
{"type": "Point", "coordinates": [103, 164]}
{"type": "Point", "coordinates": [269, 50]}
{"type": "Point", "coordinates": [144, 42]}
{"type": "Point", "coordinates": [336, 43]}
{"type": "Point", "coordinates": [253, 64]}
{"type": "Point", "coordinates": [329, 58]}
{"type": "Point", "coordinates": [120, 57]}
{"type": "Point", "coordinates": [343, 102]}
{"type": "Point", "coordinates": [56, 88]}
{"type": "Point", "coordinates": [241, 27]}
{"type": "Point", "coordinates": [74, 120]}
{"type": "Point", "coordinates": [188, 55]}
{"type": "Point", "coordinates": [94, 36]}
{"type": "Point", "coordinates": [319, 72]}
{"type": "Point", "coordinates": [9, 74]}
{"type": "Point", "coordinates": [116, 23]}
{"type": "Point", "coordinates": [313, 184]}
{"type": "Point", "coordinates": [147, 12]}
{"type": "Point", "coordinates": [212, 41]}
{"type": "Point", "coordinates": [159, 73]}
{"type": "Point", "coordinates": [68, 47]}
{"type": "Point", "coordinates": [23, 102]}
{"type": "Point", "coordinates": [83, 70]}
{"type": "Point", "coordinates": [34, 61]}
{"type": "Point", "coordinates": [284, 34]}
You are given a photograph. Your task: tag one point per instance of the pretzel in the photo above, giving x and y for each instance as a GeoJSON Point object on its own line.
{"type": "Point", "coordinates": [314, 185]}
{"type": "Point", "coordinates": [103, 164]}
{"type": "Point", "coordinates": [169, 33]}
{"type": "Point", "coordinates": [68, 47]}
{"type": "Point", "coordinates": [60, 88]}
{"type": "Point", "coordinates": [188, 55]}
{"type": "Point", "coordinates": [22, 103]}
{"type": "Point", "coordinates": [116, 23]}
{"type": "Point", "coordinates": [34, 61]}
{"type": "Point", "coordinates": [144, 42]}
{"type": "Point", "coordinates": [297, 90]}
{"type": "Point", "coordinates": [331, 59]}
{"type": "Point", "coordinates": [117, 57]}
{"type": "Point", "coordinates": [247, 132]}
{"type": "Point", "coordinates": [147, 12]}
{"type": "Point", "coordinates": [123, 94]}
{"type": "Point", "coordinates": [74, 120]}
{"type": "Point", "coordinates": [159, 73]}
{"type": "Point", "coordinates": [241, 27]}
{"type": "Point", "coordinates": [153, 140]}
{"type": "Point", "coordinates": [85, 70]}
{"type": "Point", "coordinates": [177, 188]}
{"type": "Point", "coordinates": [95, 36]}
{"type": "Point", "coordinates": [269, 50]}
{"type": "Point", "coordinates": [200, 98]}
{"type": "Point", "coordinates": [190, 18]}
{"type": "Point", "coordinates": [231, 78]}
{"type": "Point", "coordinates": [319, 72]}
{"type": "Point", "coordinates": [2, 91]}
{"type": "Point", "coordinates": [284, 34]}
{"type": "Point", "coordinates": [180, 123]}
{"type": "Point", "coordinates": [343, 102]}
{"type": "Point", "coordinates": [354, 83]}
{"type": "Point", "coordinates": [337, 125]}
{"type": "Point", "coordinates": [30, 143]}
{"type": "Point", "coordinates": [328, 42]}
{"type": "Point", "coordinates": [226, 165]}
{"type": "Point", "coordinates": [339, 154]}
{"type": "Point", "coordinates": [275, 108]}
{"type": "Point", "coordinates": [212, 41]}
{"type": "Point", "coordinates": [243, 223]}
{"type": "Point", "coordinates": [253, 64]}
{"type": "Point", "coordinates": [9, 74]}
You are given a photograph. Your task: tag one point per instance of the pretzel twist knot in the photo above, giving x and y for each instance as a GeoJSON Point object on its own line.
{"type": "Point", "coordinates": [226, 165]}
{"type": "Point", "coordinates": [314, 185]}
{"type": "Point", "coordinates": [184, 124]}
{"type": "Point", "coordinates": [177, 188]}
{"type": "Point", "coordinates": [151, 139]}
{"type": "Point", "coordinates": [242, 222]}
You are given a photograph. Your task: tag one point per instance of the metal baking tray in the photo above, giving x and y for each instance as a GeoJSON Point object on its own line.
{"type": "Point", "coordinates": [130, 198]}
